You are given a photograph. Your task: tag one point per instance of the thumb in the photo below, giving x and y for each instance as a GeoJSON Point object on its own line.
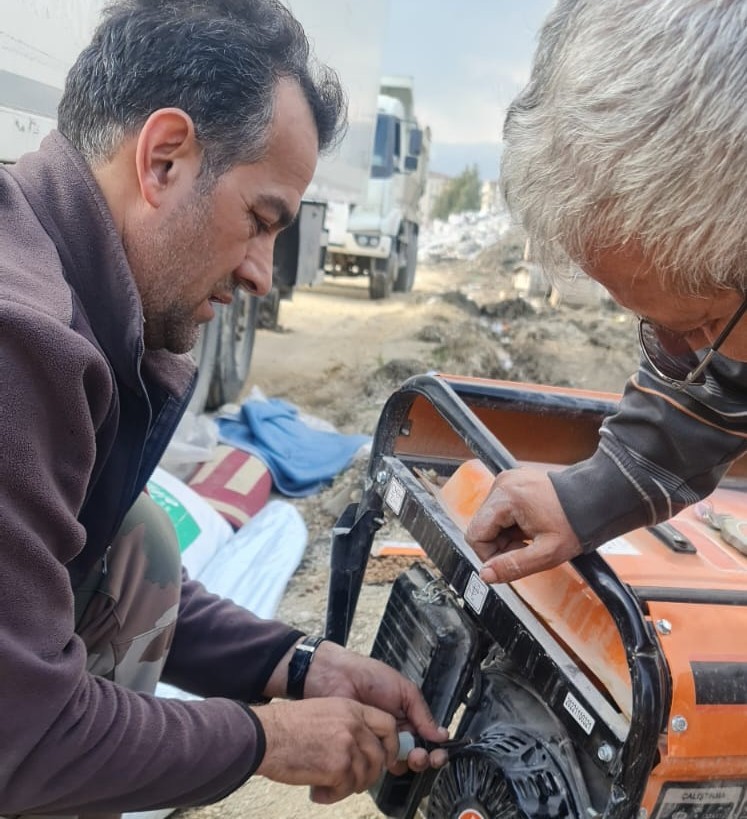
{"type": "Point", "coordinates": [419, 716]}
{"type": "Point", "coordinates": [544, 552]}
{"type": "Point", "coordinates": [504, 567]}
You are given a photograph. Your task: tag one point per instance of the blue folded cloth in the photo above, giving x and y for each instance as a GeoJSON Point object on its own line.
{"type": "Point", "coordinates": [301, 460]}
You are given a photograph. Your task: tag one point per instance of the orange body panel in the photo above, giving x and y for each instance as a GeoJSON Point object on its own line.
{"type": "Point", "coordinates": [559, 596]}
{"type": "Point", "coordinates": [714, 742]}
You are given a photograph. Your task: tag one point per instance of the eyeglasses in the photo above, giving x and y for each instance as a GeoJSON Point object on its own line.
{"type": "Point", "coordinates": [672, 358]}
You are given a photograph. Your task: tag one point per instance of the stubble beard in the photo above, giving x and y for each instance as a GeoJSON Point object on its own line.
{"type": "Point", "coordinates": [162, 261]}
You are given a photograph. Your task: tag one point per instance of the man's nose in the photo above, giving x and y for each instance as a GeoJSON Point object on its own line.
{"type": "Point", "coordinates": [254, 273]}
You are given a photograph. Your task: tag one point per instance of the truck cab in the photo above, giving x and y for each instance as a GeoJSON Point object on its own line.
{"type": "Point", "coordinates": [380, 238]}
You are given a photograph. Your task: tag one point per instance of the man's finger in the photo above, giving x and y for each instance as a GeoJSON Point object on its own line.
{"type": "Point", "coordinates": [368, 762]}
{"type": "Point", "coordinates": [537, 556]}
{"type": "Point", "coordinates": [505, 541]}
{"type": "Point", "coordinates": [504, 568]}
{"type": "Point", "coordinates": [325, 795]}
{"type": "Point", "coordinates": [491, 518]}
{"type": "Point", "coordinates": [420, 718]}
{"type": "Point", "coordinates": [384, 727]}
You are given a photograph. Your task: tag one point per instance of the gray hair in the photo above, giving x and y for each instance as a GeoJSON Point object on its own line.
{"type": "Point", "coordinates": [218, 60]}
{"type": "Point", "coordinates": [633, 128]}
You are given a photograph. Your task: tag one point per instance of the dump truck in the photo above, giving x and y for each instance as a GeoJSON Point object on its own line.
{"type": "Point", "coordinates": [379, 238]}
{"type": "Point", "coordinates": [612, 686]}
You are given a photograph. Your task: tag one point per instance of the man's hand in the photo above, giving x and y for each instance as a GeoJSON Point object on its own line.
{"type": "Point", "coordinates": [521, 528]}
{"type": "Point", "coordinates": [379, 701]}
{"type": "Point", "coordinates": [336, 745]}
{"type": "Point", "coordinates": [336, 671]}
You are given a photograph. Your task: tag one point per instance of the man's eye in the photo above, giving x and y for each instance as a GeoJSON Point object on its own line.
{"type": "Point", "coordinates": [254, 221]}
{"type": "Point", "coordinates": [260, 225]}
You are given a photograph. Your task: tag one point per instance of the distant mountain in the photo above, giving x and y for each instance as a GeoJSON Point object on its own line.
{"type": "Point", "coordinates": [453, 159]}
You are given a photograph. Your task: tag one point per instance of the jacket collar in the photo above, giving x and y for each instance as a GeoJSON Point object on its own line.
{"type": "Point", "coordinates": [68, 201]}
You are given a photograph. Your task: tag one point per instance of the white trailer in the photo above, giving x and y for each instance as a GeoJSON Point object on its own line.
{"type": "Point", "coordinates": [39, 41]}
{"type": "Point", "coordinates": [380, 239]}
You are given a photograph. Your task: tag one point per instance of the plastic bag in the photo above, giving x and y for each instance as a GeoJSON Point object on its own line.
{"type": "Point", "coordinates": [193, 443]}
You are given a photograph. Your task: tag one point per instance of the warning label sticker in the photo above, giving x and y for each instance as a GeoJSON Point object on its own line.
{"type": "Point", "coordinates": [476, 592]}
{"type": "Point", "coordinates": [395, 496]}
{"type": "Point", "coordinates": [695, 801]}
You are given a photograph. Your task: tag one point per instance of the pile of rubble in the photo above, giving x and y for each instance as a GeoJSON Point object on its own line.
{"type": "Point", "coordinates": [462, 237]}
{"type": "Point", "coordinates": [489, 241]}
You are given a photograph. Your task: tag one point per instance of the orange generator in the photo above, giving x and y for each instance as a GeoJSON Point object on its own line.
{"type": "Point", "coordinates": [612, 686]}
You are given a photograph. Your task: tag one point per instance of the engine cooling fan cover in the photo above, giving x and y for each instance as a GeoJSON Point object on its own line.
{"type": "Point", "coordinates": [507, 773]}
{"type": "Point", "coordinates": [471, 786]}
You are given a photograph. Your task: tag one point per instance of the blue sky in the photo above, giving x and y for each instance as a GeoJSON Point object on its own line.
{"type": "Point", "coordinates": [468, 59]}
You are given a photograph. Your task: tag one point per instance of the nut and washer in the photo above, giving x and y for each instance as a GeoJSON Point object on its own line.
{"type": "Point", "coordinates": [663, 626]}
{"type": "Point", "coordinates": [605, 752]}
{"type": "Point", "coordinates": [679, 724]}
{"type": "Point", "coordinates": [381, 476]}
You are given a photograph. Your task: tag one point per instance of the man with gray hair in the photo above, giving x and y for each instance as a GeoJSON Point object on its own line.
{"type": "Point", "coordinates": [188, 132]}
{"type": "Point", "coordinates": [626, 155]}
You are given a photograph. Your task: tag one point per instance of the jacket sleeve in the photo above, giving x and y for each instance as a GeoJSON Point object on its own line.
{"type": "Point", "coordinates": [662, 451]}
{"type": "Point", "coordinates": [71, 742]}
{"type": "Point", "coordinates": [221, 649]}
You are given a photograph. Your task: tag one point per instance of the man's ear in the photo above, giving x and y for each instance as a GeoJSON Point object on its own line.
{"type": "Point", "coordinates": [167, 155]}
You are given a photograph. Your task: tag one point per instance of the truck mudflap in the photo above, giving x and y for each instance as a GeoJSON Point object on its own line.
{"type": "Point", "coordinates": [613, 665]}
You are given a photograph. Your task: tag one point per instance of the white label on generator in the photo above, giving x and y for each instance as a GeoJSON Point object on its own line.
{"type": "Point", "coordinates": [618, 546]}
{"type": "Point", "coordinates": [395, 496]}
{"type": "Point", "coordinates": [710, 801]}
{"type": "Point", "coordinates": [475, 593]}
{"type": "Point", "coordinates": [579, 713]}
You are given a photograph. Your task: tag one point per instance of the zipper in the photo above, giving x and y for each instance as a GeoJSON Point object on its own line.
{"type": "Point", "coordinates": [105, 561]}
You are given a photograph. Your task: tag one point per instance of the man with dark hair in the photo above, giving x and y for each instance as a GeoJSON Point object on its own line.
{"type": "Point", "coordinates": [626, 156]}
{"type": "Point", "coordinates": [188, 132]}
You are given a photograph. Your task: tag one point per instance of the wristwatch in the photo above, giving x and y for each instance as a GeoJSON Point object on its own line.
{"type": "Point", "coordinates": [298, 667]}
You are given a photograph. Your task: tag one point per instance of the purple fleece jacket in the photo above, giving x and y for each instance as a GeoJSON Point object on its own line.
{"type": "Point", "coordinates": [86, 414]}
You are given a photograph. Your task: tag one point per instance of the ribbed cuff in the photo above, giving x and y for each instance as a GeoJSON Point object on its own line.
{"type": "Point", "coordinates": [261, 739]}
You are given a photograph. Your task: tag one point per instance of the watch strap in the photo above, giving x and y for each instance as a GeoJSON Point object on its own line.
{"type": "Point", "coordinates": [299, 664]}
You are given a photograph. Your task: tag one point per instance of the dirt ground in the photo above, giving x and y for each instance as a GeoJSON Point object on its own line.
{"type": "Point", "coordinates": [339, 355]}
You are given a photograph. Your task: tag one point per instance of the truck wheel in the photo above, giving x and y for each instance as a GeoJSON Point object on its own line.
{"type": "Point", "coordinates": [235, 347]}
{"type": "Point", "coordinates": [381, 277]}
{"type": "Point", "coordinates": [406, 275]}
{"type": "Point", "coordinates": [268, 310]}
{"type": "Point", "coordinates": [205, 353]}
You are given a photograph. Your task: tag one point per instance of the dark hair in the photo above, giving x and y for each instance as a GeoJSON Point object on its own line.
{"type": "Point", "coordinates": [218, 60]}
